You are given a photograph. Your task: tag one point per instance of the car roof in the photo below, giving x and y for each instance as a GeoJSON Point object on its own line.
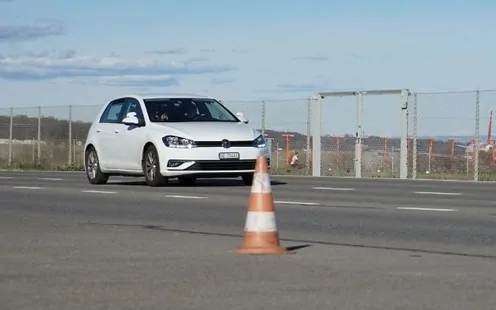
{"type": "Point", "coordinates": [145, 96]}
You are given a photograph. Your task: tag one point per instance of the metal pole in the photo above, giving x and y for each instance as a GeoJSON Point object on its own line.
{"type": "Point", "coordinates": [263, 117]}
{"type": "Point", "coordinates": [392, 159]}
{"type": "Point", "coordinates": [316, 122]}
{"type": "Point", "coordinates": [467, 163]}
{"type": "Point", "coordinates": [69, 159]}
{"type": "Point", "coordinates": [476, 146]}
{"type": "Point", "coordinates": [277, 156]}
{"type": "Point", "coordinates": [414, 142]}
{"type": "Point", "coordinates": [38, 152]}
{"type": "Point", "coordinates": [358, 141]}
{"type": "Point", "coordinates": [430, 158]}
{"type": "Point", "coordinates": [11, 134]}
{"type": "Point", "coordinates": [404, 134]}
{"type": "Point", "coordinates": [309, 132]}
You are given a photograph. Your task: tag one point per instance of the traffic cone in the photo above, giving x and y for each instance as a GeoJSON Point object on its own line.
{"type": "Point", "coordinates": [260, 235]}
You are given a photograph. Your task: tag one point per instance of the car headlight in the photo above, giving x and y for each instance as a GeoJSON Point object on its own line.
{"type": "Point", "coordinates": [260, 142]}
{"type": "Point", "coordinates": [178, 142]}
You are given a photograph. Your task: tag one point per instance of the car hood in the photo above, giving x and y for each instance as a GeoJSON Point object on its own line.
{"type": "Point", "coordinates": [209, 131]}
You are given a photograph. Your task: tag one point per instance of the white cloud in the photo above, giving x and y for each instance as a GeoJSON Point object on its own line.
{"type": "Point", "coordinates": [41, 28]}
{"type": "Point", "coordinates": [221, 81]}
{"type": "Point", "coordinates": [52, 65]}
{"type": "Point", "coordinates": [171, 51]}
{"type": "Point", "coordinates": [133, 80]}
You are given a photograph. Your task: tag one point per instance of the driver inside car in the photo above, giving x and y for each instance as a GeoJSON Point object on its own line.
{"type": "Point", "coordinates": [161, 113]}
{"type": "Point", "coordinates": [192, 111]}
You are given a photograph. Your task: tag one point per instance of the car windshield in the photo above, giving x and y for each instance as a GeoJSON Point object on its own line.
{"type": "Point", "coordinates": [187, 110]}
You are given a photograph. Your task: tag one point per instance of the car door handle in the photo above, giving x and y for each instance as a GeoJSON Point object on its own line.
{"type": "Point", "coordinates": [98, 130]}
{"type": "Point", "coordinates": [117, 131]}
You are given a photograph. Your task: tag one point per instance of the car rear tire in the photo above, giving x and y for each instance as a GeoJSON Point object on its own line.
{"type": "Point", "coordinates": [247, 179]}
{"type": "Point", "coordinates": [151, 168]}
{"type": "Point", "coordinates": [93, 173]}
{"type": "Point", "coordinates": [187, 180]}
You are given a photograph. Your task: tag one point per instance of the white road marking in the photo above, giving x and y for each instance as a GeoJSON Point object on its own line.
{"type": "Point", "coordinates": [185, 197]}
{"type": "Point", "coordinates": [5, 178]}
{"type": "Point", "coordinates": [427, 209]}
{"type": "Point", "coordinates": [98, 192]}
{"type": "Point", "coordinates": [27, 187]}
{"type": "Point", "coordinates": [297, 203]}
{"type": "Point", "coordinates": [51, 179]}
{"type": "Point", "coordinates": [335, 188]}
{"type": "Point", "coordinates": [439, 193]}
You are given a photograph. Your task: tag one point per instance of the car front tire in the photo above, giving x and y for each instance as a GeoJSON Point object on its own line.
{"type": "Point", "coordinates": [151, 168]}
{"type": "Point", "coordinates": [93, 173]}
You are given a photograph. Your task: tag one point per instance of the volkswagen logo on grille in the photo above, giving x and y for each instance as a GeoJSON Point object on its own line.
{"type": "Point", "coordinates": [226, 144]}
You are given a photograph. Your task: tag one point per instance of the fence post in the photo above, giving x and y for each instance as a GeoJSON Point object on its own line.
{"type": "Point", "coordinates": [358, 139]}
{"type": "Point", "coordinates": [404, 135]}
{"type": "Point", "coordinates": [263, 117]}
{"type": "Point", "coordinates": [38, 153]}
{"type": "Point", "coordinates": [476, 146]}
{"type": "Point", "coordinates": [309, 130]}
{"type": "Point", "coordinates": [69, 160]}
{"type": "Point", "coordinates": [11, 134]}
{"type": "Point", "coordinates": [414, 133]}
{"type": "Point", "coordinates": [316, 124]}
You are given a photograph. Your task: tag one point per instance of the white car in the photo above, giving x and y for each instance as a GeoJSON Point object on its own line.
{"type": "Point", "coordinates": [164, 136]}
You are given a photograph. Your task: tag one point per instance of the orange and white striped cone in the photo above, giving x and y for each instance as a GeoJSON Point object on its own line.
{"type": "Point", "coordinates": [261, 236]}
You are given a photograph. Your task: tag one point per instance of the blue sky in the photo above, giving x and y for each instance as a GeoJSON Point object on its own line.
{"type": "Point", "coordinates": [59, 52]}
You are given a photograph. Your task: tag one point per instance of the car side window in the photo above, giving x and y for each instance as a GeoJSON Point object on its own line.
{"type": "Point", "coordinates": [114, 112]}
{"type": "Point", "coordinates": [134, 106]}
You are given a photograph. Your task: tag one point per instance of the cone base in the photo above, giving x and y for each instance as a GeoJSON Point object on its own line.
{"type": "Point", "coordinates": [263, 251]}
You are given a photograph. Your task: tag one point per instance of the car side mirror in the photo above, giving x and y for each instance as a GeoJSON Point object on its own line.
{"type": "Point", "coordinates": [242, 117]}
{"type": "Point", "coordinates": [131, 119]}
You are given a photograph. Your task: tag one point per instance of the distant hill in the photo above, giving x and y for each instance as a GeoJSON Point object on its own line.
{"type": "Point", "coordinates": [25, 128]}
{"type": "Point", "coordinates": [459, 139]}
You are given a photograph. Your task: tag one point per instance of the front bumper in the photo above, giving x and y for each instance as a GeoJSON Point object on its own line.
{"type": "Point", "coordinates": [205, 162]}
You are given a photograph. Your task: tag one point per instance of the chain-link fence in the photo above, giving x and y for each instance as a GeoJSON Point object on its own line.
{"type": "Point", "coordinates": [286, 124]}
{"type": "Point", "coordinates": [361, 133]}
{"type": "Point", "coordinates": [444, 129]}
{"type": "Point", "coordinates": [453, 135]}
{"type": "Point", "coordinates": [49, 137]}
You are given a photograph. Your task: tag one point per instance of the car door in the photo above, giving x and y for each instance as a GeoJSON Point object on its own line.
{"type": "Point", "coordinates": [108, 147]}
{"type": "Point", "coordinates": [132, 138]}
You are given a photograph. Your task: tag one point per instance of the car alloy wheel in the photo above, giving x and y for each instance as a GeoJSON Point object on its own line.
{"type": "Point", "coordinates": [92, 165]}
{"type": "Point", "coordinates": [150, 165]}
{"type": "Point", "coordinates": [93, 172]}
{"type": "Point", "coordinates": [151, 168]}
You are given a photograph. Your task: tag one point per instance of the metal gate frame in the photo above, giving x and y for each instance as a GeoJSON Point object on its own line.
{"type": "Point", "coordinates": [316, 126]}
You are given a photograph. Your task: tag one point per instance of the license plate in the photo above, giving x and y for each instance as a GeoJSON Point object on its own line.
{"type": "Point", "coordinates": [229, 155]}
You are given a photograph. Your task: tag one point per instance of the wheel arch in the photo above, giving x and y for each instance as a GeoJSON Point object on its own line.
{"type": "Point", "coordinates": [87, 148]}
{"type": "Point", "coordinates": [145, 147]}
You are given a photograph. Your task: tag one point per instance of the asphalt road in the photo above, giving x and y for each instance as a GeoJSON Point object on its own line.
{"type": "Point", "coordinates": [418, 237]}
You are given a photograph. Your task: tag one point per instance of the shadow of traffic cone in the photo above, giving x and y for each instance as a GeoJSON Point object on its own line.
{"type": "Point", "coordinates": [261, 236]}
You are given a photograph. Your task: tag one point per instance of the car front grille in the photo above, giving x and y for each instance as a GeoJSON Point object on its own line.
{"type": "Point", "coordinates": [211, 165]}
{"type": "Point", "coordinates": [223, 165]}
{"type": "Point", "coordinates": [219, 143]}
